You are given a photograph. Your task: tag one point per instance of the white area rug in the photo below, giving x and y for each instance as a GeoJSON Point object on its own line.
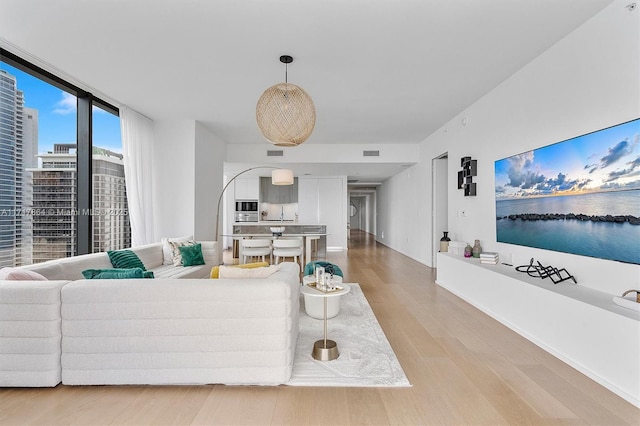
{"type": "Point", "coordinates": [366, 357]}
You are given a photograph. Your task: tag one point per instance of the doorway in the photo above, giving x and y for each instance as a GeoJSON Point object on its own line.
{"type": "Point", "coordinates": [440, 209]}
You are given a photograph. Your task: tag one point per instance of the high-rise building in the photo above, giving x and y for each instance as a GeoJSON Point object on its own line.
{"type": "Point", "coordinates": [18, 143]}
{"type": "Point", "coordinates": [55, 203]}
{"type": "Point", "coordinates": [111, 227]}
{"type": "Point", "coordinates": [29, 160]}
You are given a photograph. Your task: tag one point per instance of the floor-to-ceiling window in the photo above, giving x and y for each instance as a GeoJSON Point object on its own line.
{"type": "Point", "coordinates": [53, 198]}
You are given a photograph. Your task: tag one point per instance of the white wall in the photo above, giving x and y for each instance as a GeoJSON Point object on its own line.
{"type": "Point", "coordinates": [403, 206]}
{"type": "Point", "coordinates": [209, 162]}
{"type": "Point", "coordinates": [370, 219]}
{"type": "Point", "coordinates": [187, 173]}
{"type": "Point", "coordinates": [587, 81]}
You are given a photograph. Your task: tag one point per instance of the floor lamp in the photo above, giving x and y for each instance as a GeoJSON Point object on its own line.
{"type": "Point", "coordinates": [278, 177]}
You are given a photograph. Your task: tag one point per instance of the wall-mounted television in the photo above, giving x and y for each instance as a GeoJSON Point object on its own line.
{"type": "Point", "coordinates": [579, 196]}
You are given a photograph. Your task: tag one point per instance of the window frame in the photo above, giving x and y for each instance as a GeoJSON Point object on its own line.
{"type": "Point", "coordinates": [84, 141]}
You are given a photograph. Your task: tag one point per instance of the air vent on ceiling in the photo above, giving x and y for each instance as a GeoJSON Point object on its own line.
{"type": "Point", "coordinates": [371, 153]}
{"type": "Point", "coordinates": [352, 180]}
{"type": "Point", "coordinates": [275, 153]}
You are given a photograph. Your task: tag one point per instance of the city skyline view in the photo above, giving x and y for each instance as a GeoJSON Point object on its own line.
{"type": "Point", "coordinates": [39, 181]}
{"type": "Point", "coordinates": [57, 114]}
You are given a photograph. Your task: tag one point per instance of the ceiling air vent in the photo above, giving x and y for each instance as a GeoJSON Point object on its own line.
{"type": "Point", "coordinates": [352, 180]}
{"type": "Point", "coordinates": [371, 153]}
{"type": "Point", "coordinates": [275, 153]}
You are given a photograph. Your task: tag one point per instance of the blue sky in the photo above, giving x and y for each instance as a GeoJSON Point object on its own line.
{"type": "Point", "coordinates": [605, 160]}
{"type": "Point", "coordinates": [57, 114]}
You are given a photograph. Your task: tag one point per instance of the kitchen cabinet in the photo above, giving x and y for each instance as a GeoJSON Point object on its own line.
{"type": "Point", "coordinates": [246, 188]}
{"type": "Point", "coordinates": [324, 200]}
{"type": "Point", "coordinates": [278, 194]}
{"type": "Point", "coordinates": [308, 200]}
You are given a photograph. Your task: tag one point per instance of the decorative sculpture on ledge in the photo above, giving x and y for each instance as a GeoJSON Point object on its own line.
{"type": "Point", "coordinates": [540, 271]}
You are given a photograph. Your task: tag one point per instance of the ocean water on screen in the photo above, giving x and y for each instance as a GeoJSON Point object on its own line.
{"type": "Point", "coordinates": [613, 241]}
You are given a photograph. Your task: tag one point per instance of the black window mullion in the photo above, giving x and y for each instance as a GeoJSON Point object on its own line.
{"type": "Point", "coordinates": [84, 175]}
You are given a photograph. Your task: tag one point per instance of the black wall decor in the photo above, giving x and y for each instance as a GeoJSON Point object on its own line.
{"type": "Point", "coordinates": [465, 176]}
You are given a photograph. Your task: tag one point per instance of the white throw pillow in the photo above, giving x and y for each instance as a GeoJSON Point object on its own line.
{"type": "Point", "coordinates": [167, 249]}
{"type": "Point", "coordinates": [176, 256]}
{"type": "Point", "coordinates": [263, 272]}
{"type": "Point", "coordinates": [16, 274]}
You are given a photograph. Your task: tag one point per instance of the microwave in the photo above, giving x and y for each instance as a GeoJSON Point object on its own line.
{"type": "Point", "coordinates": [246, 205]}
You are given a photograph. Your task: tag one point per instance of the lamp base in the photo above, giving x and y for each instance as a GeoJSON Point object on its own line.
{"type": "Point", "coordinates": [322, 352]}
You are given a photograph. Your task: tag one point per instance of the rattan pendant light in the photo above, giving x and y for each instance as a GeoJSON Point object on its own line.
{"type": "Point", "coordinates": [285, 112]}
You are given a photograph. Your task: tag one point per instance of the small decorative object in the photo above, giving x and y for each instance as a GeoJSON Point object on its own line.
{"type": "Point", "coordinates": [637, 292]}
{"type": "Point", "coordinates": [444, 242]}
{"type": "Point", "coordinates": [277, 230]}
{"type": "Point", "coordinates": [467, 251]}
{"type": "Point", "coordinates": [328, 282]}
{"type": "Point", "coordinates": [319, 272]}
{"type": "Point", "coordinates": [477, 249]}
{"type": "Point", "coordinates": [541, 271]}
{"type": "Point", "coordinates": [465, 176]}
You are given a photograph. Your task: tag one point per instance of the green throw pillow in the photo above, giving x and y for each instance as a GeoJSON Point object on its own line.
{"type": "Point", "coordinates": [125, 259]}
{"type": "Point", "coordinates": [191, 255]}
{"type": "Point", "coordinates": [116, 274]}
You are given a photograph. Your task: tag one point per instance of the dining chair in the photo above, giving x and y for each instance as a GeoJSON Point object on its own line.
{"type": "Point", "coordinates": [253, 247]}
{"type": "Point", "coordinates": [288, 247]}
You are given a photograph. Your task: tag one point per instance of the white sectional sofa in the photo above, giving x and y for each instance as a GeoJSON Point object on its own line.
{"type": "Point", "coordinates": [175, 329]}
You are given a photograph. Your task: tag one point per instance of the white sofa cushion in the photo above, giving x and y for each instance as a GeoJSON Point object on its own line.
{"type": "Point", "coordinates": [150, 255]}
{"type": "Point", "coordinates": [170, 271]}
{"type": "Point", "coordinates": [73, 266]}
{"type": "Point", "coordinates": [30, 333]}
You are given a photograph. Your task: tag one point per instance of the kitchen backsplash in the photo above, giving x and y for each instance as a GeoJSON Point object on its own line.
{"type": "Point", "coordinates": [286, 212]}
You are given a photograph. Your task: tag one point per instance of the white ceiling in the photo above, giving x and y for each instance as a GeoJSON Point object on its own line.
{"type": "Point", "coordinates": [379, 71]}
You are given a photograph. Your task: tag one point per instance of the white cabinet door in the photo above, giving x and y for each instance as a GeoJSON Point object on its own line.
{"type": "Point", "coordinates": [308, 200]}
{"type": "Point", "coordinates": [332, 199]}
{"type": "Point", "coordinates": [246, 188]}
{"type": "Point", "coordinates": [252, 188]}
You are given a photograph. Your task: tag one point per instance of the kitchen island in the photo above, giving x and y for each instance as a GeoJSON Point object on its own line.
{"type": "Point", "coordinates": [311, 233]}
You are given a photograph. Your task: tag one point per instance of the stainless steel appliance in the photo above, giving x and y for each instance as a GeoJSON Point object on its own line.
{"type": "Point", "coordinates": [247, 206]}
{"type": "Point", "coordinates": [246, 211]}
{"type": "Point", "coordinates": [246, 216]}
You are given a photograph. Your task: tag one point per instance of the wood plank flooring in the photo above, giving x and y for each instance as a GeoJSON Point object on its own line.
{"type": "Point", "coordinates": [465, 368]}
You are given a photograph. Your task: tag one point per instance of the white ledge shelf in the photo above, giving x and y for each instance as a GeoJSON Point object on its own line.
{"type": "Point", "coordinates": [579, 325]}
{"type": "Point", "coordinates": [567, 288]}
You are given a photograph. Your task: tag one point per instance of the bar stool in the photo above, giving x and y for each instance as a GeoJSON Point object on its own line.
{"type": "Point", "coordinates": [288, 247]}
{"type": "Point", "coordinates": [250, 247]}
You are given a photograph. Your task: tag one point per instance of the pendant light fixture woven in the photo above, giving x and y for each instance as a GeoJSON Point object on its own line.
{"type": "Point", "coordinates": [285, 112]}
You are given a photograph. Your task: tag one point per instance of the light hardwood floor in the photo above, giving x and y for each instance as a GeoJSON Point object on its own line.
{"type": "Point", "coordinates": [465, 368]}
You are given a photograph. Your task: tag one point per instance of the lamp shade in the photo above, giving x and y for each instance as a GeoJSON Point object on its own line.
{"type": "Point", "coordinates": [285, 114]}
{"type": "Point", "coordinates": [282, 177]}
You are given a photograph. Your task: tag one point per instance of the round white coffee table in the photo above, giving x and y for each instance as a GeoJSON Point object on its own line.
{"type": "Point", "coordinates": [313, 299]}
